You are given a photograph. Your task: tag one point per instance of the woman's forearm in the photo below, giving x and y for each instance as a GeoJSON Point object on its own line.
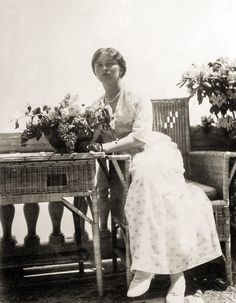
{"type": "Point", "coordinates": [123, 144]}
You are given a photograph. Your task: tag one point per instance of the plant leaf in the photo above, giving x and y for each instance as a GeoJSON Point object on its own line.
{"type": "Point", "coordinates": [36, 111]}
{"type": "Point", "coordinates": [46, 108]}
{"type": "Point", "coordinates": [182, 83]}
{"type": "Point", "coordinates": [17, 124]}
{"type": "Point", "coordinates": [199, 96]}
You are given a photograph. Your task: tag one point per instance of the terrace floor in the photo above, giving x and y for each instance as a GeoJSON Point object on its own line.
{"type": "Point", "coordinates": [204, 284]}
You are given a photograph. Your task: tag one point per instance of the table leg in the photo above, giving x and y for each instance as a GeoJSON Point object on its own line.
{"type": "Point", "coordinates": [114, 244]}
{"type": "Point", "coordinates": [76, 220]}
{"type": "Point", "coordinates": [96, 245]}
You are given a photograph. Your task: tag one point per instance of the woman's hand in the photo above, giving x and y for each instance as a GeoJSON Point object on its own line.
{"type": "Point", "coordinates": [88, 146]}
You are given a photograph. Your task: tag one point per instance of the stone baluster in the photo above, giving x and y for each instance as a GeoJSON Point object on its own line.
{"type": "Point", "coordinates": [81, 204]}
{"type": "Point", "coordinates": [56, 211]}
{"type": "Point", "coordinates": [7, 213]}
{"type": "Point", "coordinates": [31, 212]}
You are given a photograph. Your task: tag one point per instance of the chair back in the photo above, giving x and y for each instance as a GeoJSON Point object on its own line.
{"type": "Point", "coordinates": [171, 117]}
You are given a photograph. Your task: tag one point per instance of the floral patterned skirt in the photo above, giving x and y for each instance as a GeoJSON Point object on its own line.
{"type": "Point", "coordinates": [171, 223]}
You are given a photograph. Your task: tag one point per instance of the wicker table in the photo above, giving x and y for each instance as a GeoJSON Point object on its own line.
{"type": "Point", "coordinates": [49, 177]}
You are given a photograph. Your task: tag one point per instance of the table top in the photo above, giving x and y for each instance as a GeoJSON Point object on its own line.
{"type": "Point", "coordinates": [51, 156]}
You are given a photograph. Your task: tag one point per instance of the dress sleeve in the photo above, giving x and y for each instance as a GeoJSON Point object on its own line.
{"type": "Point", "coordinates": [142, 124]}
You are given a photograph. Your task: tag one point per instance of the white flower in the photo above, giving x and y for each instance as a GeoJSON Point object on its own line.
{"type": "Point", "coordinates": [232, 76]}
{"type": "Point", "coordinates": [77, 109]}
{"type": "Point", "coordinates": [64, 112]}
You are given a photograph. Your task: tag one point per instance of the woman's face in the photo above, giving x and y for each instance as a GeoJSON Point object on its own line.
{"type": "Point", "coordinates": [107, 69]}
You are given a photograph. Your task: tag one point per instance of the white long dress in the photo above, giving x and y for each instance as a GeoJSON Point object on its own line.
{"type": "Point", "coordinates": [171, 223]}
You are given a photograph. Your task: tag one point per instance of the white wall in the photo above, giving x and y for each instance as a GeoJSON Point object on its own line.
{"type": "Point", "coordinates": [46, 46]}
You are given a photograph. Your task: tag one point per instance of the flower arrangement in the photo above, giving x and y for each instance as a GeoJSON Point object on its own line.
{"type": "Point", "coordinates": [217, 82]}
{"type": "Point", "coordinates": [66, 125]}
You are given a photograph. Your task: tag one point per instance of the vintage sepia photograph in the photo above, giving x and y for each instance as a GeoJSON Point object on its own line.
{"type": "Point", "coordinates": [117, 151]}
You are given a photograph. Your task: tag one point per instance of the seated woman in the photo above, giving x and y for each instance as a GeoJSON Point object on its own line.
{"type": "Point", "coordinates": [171, 223]}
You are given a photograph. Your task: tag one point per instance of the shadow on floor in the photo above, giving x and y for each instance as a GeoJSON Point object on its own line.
{"type": "Point", "coordinates": [74, 287]}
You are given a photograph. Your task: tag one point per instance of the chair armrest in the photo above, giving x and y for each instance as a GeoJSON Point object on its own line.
{"type": "Point", "coordinates": [208, 167]}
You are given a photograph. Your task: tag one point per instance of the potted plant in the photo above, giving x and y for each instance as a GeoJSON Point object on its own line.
{"type": "Point", "coordinates": [215, 82]}
{"type": "Point", "coordinates": [67, 124]}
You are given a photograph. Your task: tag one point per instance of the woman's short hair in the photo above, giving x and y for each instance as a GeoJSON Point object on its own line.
{"type": "Point", "coordinates": [114, 54]}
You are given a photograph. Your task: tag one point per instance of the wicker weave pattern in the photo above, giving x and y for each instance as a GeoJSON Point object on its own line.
{"type": "Point", "coordinates": [221, 213]}
{"type": "Point", "coordinates": [39, 177]}
{"type": "Point", "coordinates": [171, 117]}
{"type": "Point", "coordinates": [214, 168]}
{"type": "Point", "coordinates": [46, 177]}
{"type": "Point", "coordinates": [208, 167]}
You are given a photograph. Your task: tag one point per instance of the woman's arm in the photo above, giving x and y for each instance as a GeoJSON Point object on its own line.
{"type": "Point", "coordinates": [123, 144]}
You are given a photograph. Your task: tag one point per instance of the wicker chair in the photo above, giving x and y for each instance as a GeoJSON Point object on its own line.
{"type": "Point", "coordinates": [212, 171]}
